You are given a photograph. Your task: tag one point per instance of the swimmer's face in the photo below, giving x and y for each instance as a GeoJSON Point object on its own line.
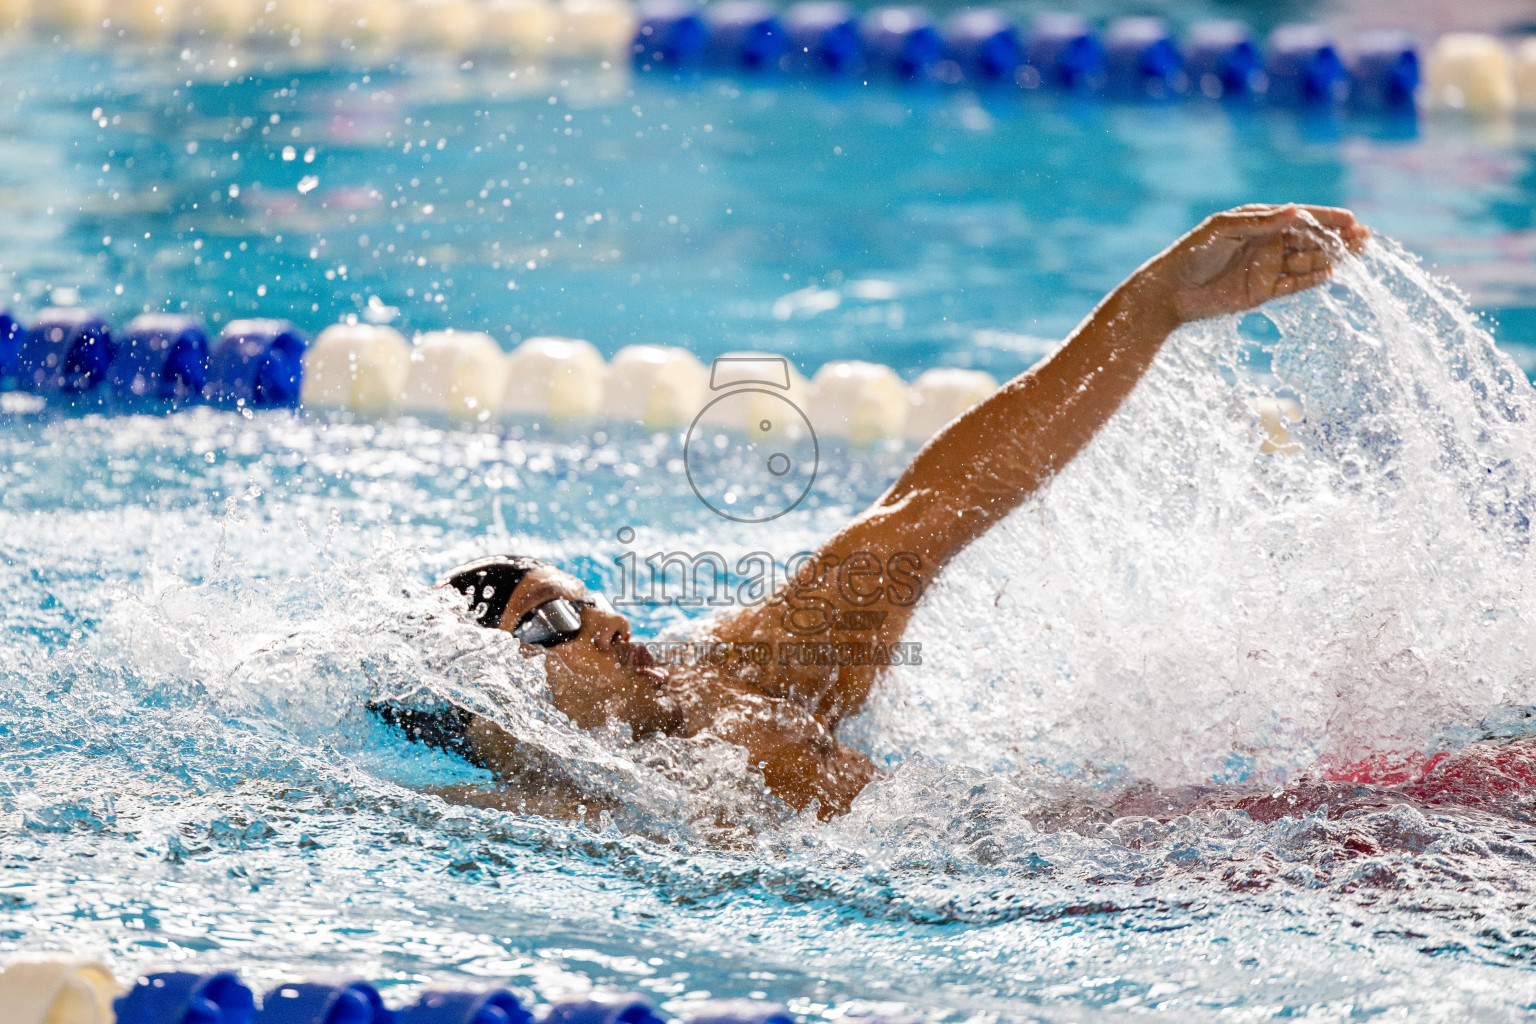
{"type": "Point", "coordinates": [596, 675]}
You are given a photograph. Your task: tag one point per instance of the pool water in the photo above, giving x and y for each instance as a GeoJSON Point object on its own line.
{"type": "Point", "coordinates": [913, 228]}
{"type": "Point", "coordinates": [199, 605]}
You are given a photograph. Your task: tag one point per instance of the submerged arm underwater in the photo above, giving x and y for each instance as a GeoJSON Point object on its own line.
{"type": "Point", "coordinates": [869, 576]}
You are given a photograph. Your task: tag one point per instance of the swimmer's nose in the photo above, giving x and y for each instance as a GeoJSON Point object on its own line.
{"type": "Point", "coordinates": [609, 628]}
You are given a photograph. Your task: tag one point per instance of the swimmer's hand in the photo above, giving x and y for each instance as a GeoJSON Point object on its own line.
{"type": "Point", "coordinates": [1240, 259]}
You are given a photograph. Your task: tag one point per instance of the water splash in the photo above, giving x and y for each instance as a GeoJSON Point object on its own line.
{"type": "Point", "coordinates": [1179, 606]}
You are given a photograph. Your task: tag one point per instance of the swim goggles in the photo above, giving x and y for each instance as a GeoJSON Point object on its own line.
{"type": "Point", "coordinates": [557, 621]}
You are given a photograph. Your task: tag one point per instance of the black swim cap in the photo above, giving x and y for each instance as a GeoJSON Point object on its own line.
{"type": "Point", "coordinates": [489, 583]}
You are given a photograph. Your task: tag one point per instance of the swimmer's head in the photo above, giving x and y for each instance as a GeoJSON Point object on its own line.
{"type": "Point", "coordinates": [594, 672]}
{"type": "Point", "coordinates": [488, 584]}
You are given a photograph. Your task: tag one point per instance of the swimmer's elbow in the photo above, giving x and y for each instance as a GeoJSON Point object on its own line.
{"type": "Point", "coordinates": [829, 781]}
{"type": "Point", "coordinates": [847, 775]}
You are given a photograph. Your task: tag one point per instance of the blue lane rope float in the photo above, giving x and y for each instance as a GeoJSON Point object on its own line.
{"type": "Point", "coordinates": [1223, 60]}
{"type": "Point", "coordinates": [1304, 67]}
{"type": "Point", "coordinates": [985, 45]}
{"type": "Point", "coordinates": [618, 1008]}
{"type": "Point", "coordinates": [1136, 57]}
{"type": "Point", "coordinates": [11, 331]}
{"type": "Point", "coordinates": [161, 357]}
{"type": "Point", "coordinates": [183, 997]}
{"type": "Point", "coordinates": [318, 1002]}
{"type": "Point", "coordinates": [745, 34]}
{"type": "Point", "coordinates": [1142, 60]}
{"type": "Point", "coordinates": [1062, 51]}
{"type": "Point", "coordinates": [495, 1006]}
{"type": "Point", "coordinates": [65, 352]}
{"type": "Point", "coordinates": [902, 42]}
{"type": "Point", "coordinates": [824, 39]}
{"type": "Point", "coordinates": [220, 997]}
{"type": "Point", "coordinates": [671, 35]}
{"type": "Point", "coordinates": [1385, 70]}
{"type": "Point", "coordinates": [257, 363]}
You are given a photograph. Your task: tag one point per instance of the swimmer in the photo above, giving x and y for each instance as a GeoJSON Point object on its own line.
{"type": "Point", "coordinates": [829, 632]}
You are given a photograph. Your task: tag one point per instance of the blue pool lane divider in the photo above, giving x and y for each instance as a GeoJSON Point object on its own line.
{"type": "Point", "coordinates": [69, 990]}
{"type": "Point", "coordinates": [1223, 60]}
{"type": "Point", "coordinates": [73, 354]}
{"type": "Point", "coordinates": [671, 35]}
{"type": "Point", "coordinates": [64, 352]}
{"type": "Point", "coordinates": [257, 363]}
{"type": "Point", "coordinates": [824, 39]}
{"type": "Point", "coordinates": [605, 1008]}
{"type": "Point", "coordinates": [1386, 70]}
{"type": "Point", "coordinates": [1063, 52]}
{"type": "Point", "coordinates": [902, 42]}
{"type": "Point", "coordinates": [183, 997]}
{"type": "Point", "coordinates": [497, 1006]}
{"type": "Point", "coordinates": [11, 331]}
{"type": "Point", "coordinates": [1299, 65]}
{"type": "Point", "coordinates": [160, 357]}
{"type": "Point", "coordinates": [1304, 67]}
{"type": "Point", "coordinates": [177, 997]}
{"type": "Point", "coordinates": [1135, 57]}
{"type": "Point", "coordinates": [1141, 59]}
{"type": "Point", "coordinates": [745, 34]}
{"type": "Point", "coordinates": [984, 46]}
{"type": "Point", "coordinates": [318, 1002]}
{"type": "Point", "coordinates": [162, 362]}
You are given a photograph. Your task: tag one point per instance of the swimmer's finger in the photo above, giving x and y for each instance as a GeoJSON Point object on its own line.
{"type": "Point", "coordinates": [1305, 234]}
{"type": "Point", "coordinates": [1262, 228]}
{"type": "Point", "coordinates": [1310, 238]}
{"type": "Point", "coordinates": [1291, 284]}
{"type": "Point", "coordinates": [1329, 216]}
{"type": "Point", "coordinates": [1305, 262]}
{"type": "Point", "coordinates": [1302, 241]}
{"type": "Point", "coordinates": [1256, 220]}
{"type": "Point", "coordinates": [1356, 238]}
{"type": "Point", "coordinates": [1340, 223]}
{"type": "Point", "coordinates": [1268, 257]}
{"type": "Point", "coordinates": [1352, 238]}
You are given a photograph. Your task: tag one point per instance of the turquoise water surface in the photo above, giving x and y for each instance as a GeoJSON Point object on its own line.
{"type": "Point", "coordinates": [953, 229]}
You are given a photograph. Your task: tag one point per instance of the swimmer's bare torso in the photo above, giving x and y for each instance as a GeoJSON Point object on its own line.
{"type": "Point", "coordinates": [784, 710]}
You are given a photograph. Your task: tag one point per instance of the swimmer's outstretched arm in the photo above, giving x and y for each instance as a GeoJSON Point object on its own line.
{"type": "Point", "coordinates": [985, 463]}
{"type": "Point", "coordinates": [989, 460]}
